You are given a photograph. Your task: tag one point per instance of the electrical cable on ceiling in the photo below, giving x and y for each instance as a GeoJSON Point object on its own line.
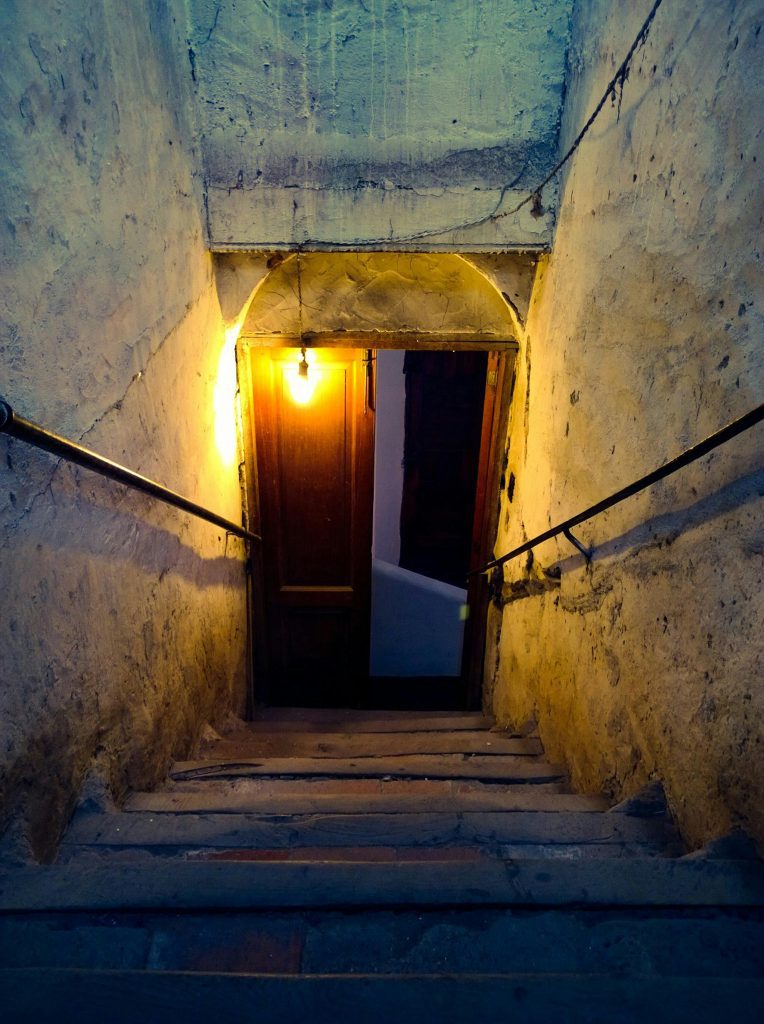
{"type": "Point", "coordinates": [616, 82]}
{"type": "Point", "coordinates": [534, 196]}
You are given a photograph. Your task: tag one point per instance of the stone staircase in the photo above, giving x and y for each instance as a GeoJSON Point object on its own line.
{"type": "Point", "coordinates": [375, 866]}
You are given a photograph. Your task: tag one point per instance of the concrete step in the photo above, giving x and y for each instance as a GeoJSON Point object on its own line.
{"type": "Point", "coordinates": [351, 856]}
{"type": "Point", "coordinates": [520, 882]}
{"type": "Point", "coordinates": [39, 996]}
{"type": "Point", "coordinates": [288, 831]}
{"type": "Point", "coordinates": [645, 942]}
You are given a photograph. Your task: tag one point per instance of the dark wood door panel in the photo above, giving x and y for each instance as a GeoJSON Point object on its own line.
{"type": "Point", "coordinates": [314, 478]}
{"type": "Point", "coordinates": [317, 670]}
{"type": "Point", "coordinates": [315, 473]}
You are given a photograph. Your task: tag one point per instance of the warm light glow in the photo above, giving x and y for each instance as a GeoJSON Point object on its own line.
{"type": "Point", "coordinates": [302, 378]}
{"type": "Point", "coordinates": [224, 399]}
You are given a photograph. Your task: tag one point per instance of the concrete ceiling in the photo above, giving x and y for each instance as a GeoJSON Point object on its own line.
{"type": "Point", "coordinates": [353, 120]}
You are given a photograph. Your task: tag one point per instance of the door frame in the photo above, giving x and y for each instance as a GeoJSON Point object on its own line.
{"type": "Point", "coordinates": [498, 394]}
{"type": "Point", "coordinates": [502, 353]}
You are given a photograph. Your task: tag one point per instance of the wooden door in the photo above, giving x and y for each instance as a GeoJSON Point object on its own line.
{"type": "Point", "coordinates": [315, 483]}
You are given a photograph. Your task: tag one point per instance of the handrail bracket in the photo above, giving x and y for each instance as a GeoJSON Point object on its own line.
{"type": "Point", "coordinates": [586, 552]}
{"type": "Point", "coordinates": [745, 422]}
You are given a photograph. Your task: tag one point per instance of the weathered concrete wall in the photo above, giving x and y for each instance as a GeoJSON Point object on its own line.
{"type": "Point", "coordinates": [350, 121]}
{"type": "Point", "coordinates": [645, 335]}
{"type": "Point", "coordinates": [122, 622]}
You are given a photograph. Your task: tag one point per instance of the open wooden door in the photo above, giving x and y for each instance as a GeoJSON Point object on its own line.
{"type": "Point", "coordinates": [314, 457]}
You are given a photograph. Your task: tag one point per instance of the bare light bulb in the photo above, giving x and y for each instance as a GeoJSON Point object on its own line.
{"type": "Point", "coordinates": [302, 383]}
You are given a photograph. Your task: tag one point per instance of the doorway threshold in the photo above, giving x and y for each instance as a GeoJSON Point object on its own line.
{"type": "Point", "coordinates": [415, 693]}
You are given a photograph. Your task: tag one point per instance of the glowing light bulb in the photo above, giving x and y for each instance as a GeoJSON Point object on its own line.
{"type": "Point", "coordinates": [302, 381]}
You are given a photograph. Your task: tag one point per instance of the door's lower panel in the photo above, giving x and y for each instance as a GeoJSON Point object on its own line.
{"type": "Point", "coordinates": [313, 668]}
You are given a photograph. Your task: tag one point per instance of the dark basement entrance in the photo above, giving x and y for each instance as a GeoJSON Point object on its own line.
{"type": "Point", "coordinates": [360, 588]}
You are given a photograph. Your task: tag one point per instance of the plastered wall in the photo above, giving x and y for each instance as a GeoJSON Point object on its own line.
{"type": "Point", "coordinates": [122, 622]}
{"type": "Point", "coordinates": [644, 335]}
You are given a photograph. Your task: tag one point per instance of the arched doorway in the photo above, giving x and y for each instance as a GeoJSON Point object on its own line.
{"type": "Point", "coordinates": [308, 348]}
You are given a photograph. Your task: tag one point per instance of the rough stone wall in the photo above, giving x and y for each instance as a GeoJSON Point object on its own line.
{"type": "Point", "coordinates": [645, 335]}
{"type": "Point", "coordinates": [350, 121]}
{"type": "Point", "coordinates": [122, 622]}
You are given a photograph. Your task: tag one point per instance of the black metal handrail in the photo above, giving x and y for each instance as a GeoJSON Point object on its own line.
{"type": "Point", "coordinates": [697, 451]}
{"type": "Point", "coordinates": [32, 433]}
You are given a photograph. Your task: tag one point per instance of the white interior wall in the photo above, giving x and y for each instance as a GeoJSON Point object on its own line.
{"type": "Point", "coordinates": [416, 624]}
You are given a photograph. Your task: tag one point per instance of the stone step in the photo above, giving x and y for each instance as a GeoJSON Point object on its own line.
{"type": "Point", "coordinates": [553, 828]}
{"type": "Point", "coordinates": [645, 942]}
{"type": "Point", "coordinates": [92, 997]}
{"type": "Point", "coordinates": [351, 856]}
{"type": "Point", "coordinates": [161, 883]}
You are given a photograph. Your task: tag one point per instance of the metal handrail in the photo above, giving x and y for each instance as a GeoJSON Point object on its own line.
{"type": "Point", "coordinates": [697, 451]}
{"type": "Point", "coordinates": [32, 433]}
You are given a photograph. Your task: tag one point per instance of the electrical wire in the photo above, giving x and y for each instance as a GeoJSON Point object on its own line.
{"type": "Point", "coordinates": [618, 80]}
{"type": "Point", "coordinates": [534, 196]}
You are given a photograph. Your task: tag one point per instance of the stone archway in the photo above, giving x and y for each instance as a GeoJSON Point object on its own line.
{"type": "Point", "coordinates": [374, 301]}
{"type": "Point", "coordinates": [400, 298]}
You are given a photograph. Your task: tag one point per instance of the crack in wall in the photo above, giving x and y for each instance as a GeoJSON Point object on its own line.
{"type": "Point", "coordinates": [13, 524]}
{"type": "Point", "coordinates": [139, 375]}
